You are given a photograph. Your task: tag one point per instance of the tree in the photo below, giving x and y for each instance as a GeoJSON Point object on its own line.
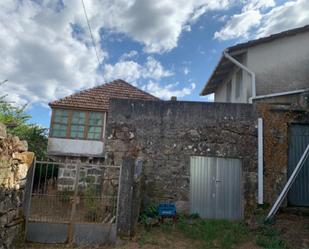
{"type": "Point", "coordinates": [17, 122]}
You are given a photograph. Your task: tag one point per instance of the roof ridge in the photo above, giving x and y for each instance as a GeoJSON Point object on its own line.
{"type": "Point", "coordinates": [267, 38]}
{"type": "Point", "coordinates": [138, 89]}
{"type": "Point", "coordinates": [83, 91]}
{"type": "Point", "coordinates": [108, 90]}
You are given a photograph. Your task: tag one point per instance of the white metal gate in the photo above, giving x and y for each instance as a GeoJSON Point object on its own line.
{"type": "Point", "coordinates": [216, 187]}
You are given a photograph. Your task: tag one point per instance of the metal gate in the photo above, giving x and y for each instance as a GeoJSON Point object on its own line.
{"type": "Point", "coordinates": [216, 188]}
{"type": "Point", "coordinates": [72, 202]}
{"type": "Point", "coordinates": [298, 141]}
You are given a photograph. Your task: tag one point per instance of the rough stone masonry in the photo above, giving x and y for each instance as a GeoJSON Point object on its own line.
{"type": "Point", "coordinates": [15, 161]}
{"type": "Point", "coordinates": [165, 134]}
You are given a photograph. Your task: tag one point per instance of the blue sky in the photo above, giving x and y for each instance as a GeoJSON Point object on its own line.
{"type": "Point", "coordinates": [164, 47]}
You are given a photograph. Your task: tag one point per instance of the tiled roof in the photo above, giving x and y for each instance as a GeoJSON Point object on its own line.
{"type": "Point", "coordinates": [97, 98]}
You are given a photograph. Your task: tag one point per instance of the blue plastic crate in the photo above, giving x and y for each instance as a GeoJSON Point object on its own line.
{"type": "Point", "coordinates": [167, 209]}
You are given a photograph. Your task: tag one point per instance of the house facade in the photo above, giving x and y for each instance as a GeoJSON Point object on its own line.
{"type": "Point", "coordinates": [192, 151]}
{"type": "Point", "coordinates": [78, 121]}
{"type": "Point", "coordinates": [272, 74]}
{"type": "Point", "coordinates": [269, 66]}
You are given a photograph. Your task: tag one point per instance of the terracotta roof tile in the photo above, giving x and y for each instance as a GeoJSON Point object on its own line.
{"type": "Point", "coordinates": [97, 98]}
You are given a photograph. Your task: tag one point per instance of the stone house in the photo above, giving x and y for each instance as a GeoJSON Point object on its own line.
{"type": "Point", "coordinates": [216, 159]}
{"type": "Point", "coordinates": [170, 138]}
{"type": "Point", "coordinates": [268, 67]}
{"type": "Point", "coordinates": [77, 129]}
{"type": "Point", "coordinates": [200, 156]}
{"type": "Point", "coordinates": [221, 159]}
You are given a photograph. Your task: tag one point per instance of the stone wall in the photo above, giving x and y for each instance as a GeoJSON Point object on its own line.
{"type": "Point", "coordinates": [14, 164]}
{"type": "Point", "coordinates": [165, 134]}
{"type": "Point", "coordinates": [67, 175]}
{"type": "Point", "coordinates": [276, 122]}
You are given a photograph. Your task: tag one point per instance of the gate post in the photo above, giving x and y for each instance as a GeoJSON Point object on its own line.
{"type": "Point", "coordinates": [129, 196]}
{"type": "Point", "coordinates": [74, 202]}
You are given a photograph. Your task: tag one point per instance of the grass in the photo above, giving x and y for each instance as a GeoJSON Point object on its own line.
{"type": "Point", "coordinates": [269, 238]}
{"type": "Point", "coordinates": [147, 238]}
{"type": "Point", "coordinates": [214, 233]}
{"type": "Point", "coordinates": [217, 233]}
{"type": "Point", "coordinates": [266, 235]}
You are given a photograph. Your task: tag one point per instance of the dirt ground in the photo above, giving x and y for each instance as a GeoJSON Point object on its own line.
{"type": "Point", "coordinates": [155, 239]}
{"type": "Point", "coordinates": [293, 229]}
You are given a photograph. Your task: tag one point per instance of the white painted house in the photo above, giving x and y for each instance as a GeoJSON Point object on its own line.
{"type": "Point", "coordinates": [271, 66]}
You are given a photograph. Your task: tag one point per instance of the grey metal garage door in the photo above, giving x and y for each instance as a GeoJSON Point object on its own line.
{"type": "Point", "coordinates": [216, 187]}
{"type": "Point", "coordinates": [298, 141]}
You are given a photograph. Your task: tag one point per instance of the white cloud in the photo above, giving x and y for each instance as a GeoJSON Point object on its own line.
{"type": "Point", "coordinates": [131, 71]}
{"type": "Point", "coordinates": [262, 17]}
{"type": "Point", "coordinates": [47, 52]}
{"type": "Point", "coordinates": [167, 91]}
{"type": "Point", "coordinates": [186, 71]}
{"type": "Point", "coordinates": [154, 69]}
{"type": "Point", "coordinates": [129, 55]}
{"type": "Point", "coordinates": [156, 24]}
{"type": "Point", "coordinates": [187, 28]}
{"type": "Point", "coordinates": [291, 15]}
{"type": "Point", "coordinates": [239, 25]}
{"type": "Point", "coordinates": [206, 5]}
{"type": "Point", "coordinates": [41, 59]}
{"type": "Point", "coordinates": [126, 70]}
{"type": "Point", "coordinates": [258, 4]}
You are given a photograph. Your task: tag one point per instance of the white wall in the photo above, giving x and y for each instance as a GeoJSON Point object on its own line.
{"type": "Point", "coordinates": [221, 92]}
{"type": "Point", "coordinates": [281, 65]}
{"type": "Point", "coordinates": [64, 146]}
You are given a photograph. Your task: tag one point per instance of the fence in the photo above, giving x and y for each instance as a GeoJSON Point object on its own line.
{"type": "Point", "coordinates": [69, 198]}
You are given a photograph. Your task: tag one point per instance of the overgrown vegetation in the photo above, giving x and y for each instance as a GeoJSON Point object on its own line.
{"type": "Point", "coordinates": [214, 233]}
{"type": "Point", "coordinates": [149, 215]}
{"type": "Point", "coordinates": [92, 203]}
{"type": "Point", "coordinates": [222, 234]}
{"type": "Point", "coordinates": [17, 121]}
{"type": "Point", "coordinates": [269, 238]}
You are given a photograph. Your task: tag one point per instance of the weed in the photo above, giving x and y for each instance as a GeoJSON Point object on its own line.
{"type": "Point", "coordinates": [194, 216]}
{"type": "Point", "coordinates": [65, 196]}
{"type": "Point", "coordinates": [147, 238]}
{"type": "Point", "coordinates": [149, 215]}
{"type": "Point", "coordinates": [269, 238]}
{"type": "Point", "coordinates": [214, 233]}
